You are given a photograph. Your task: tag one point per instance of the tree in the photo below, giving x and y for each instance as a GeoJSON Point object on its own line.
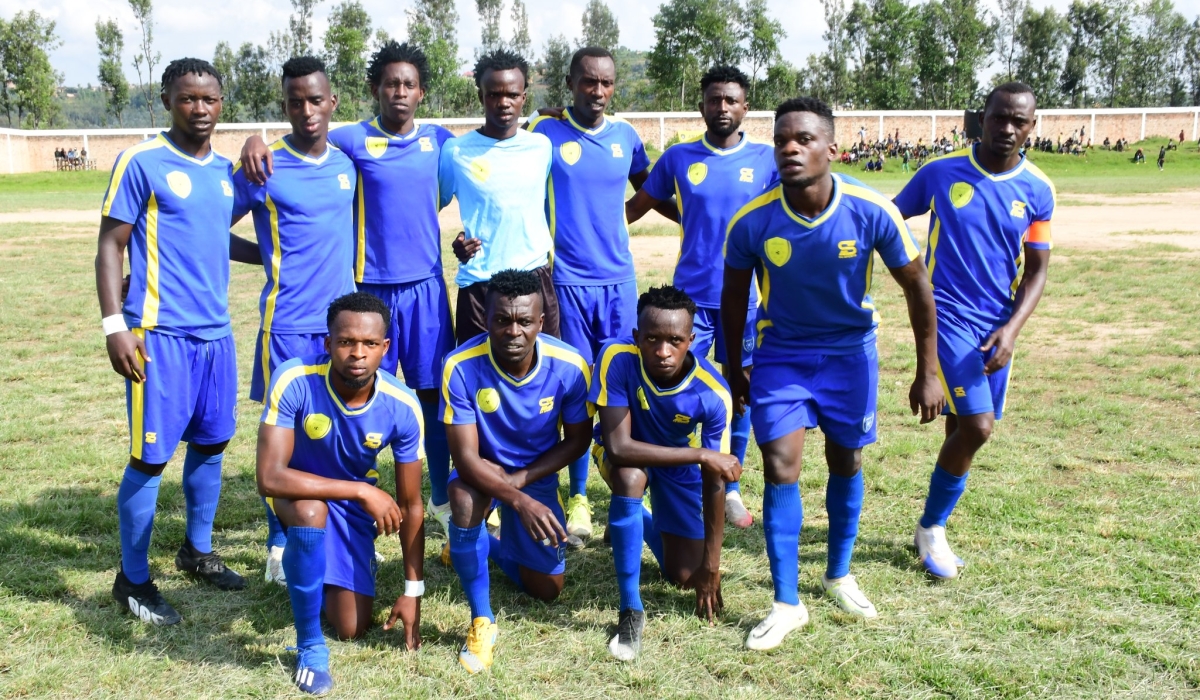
{"type": "Point", "coordinates": [148, 58]}
{"type": "Point", "coordinates": [932, 57]}
{"type": "Point", "coordinates": [27, 41]}
{"type": "Point", "coordinates": [887, 73]}
{"type": "Point", "coordinates": [829, 73]}
{"type": "Point", "coordinates": [1041, 36]}
{"type": "Point", "coordinates": [555, 63]}
{"type": "Point", "coordinates": [432, 26]}
{"type": "Point", "coordinates": [256, 92]}
{"type": "Point", "coordinates": [520, 18]}
{"type": "Point", "coordinates": [691, 35]}
{"type": "Point", "coordinates": [763, 33]}
{"type": "Point", "coordinates": [969, 34]}
{"type": "Point", "coordinates": [346, 44]}
{"type": "Point", "coordinates": [300, 27]}
{"type": "Point", "coordinates": [1073, 84]}
{"type": "Point", "coordinates": [1009, 17]}
{"type": "Point", "coordinates": [225, 61]}
{"type": "Point", "coordinates": [1112, 39]}
{"type": "Point", "coordinates": [489, 23]}
{"type": "Point", "coordinates": [599, 27]}
{"type": "Point", "coordinates": [111, 43]}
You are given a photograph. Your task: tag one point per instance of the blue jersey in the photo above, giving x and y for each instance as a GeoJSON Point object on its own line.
{"type": "Point", "coordinates": [517, 419]}
{"type": "Point", "coordinates": [501, 191]}
{"type": "Point", "coordinates": [181, 208]}
{"type": "Point", "coordinates": [710, 185]}
{"type": "Point", "coordinates": [397, 236]}
{"type": "Point", "coordinates": [304, 224]}
{"type": "Point", "coordinates": [337, 442]}
{"type": "Point", "coordinates": [816, 273]}
{"type": "Point", "coordinates": [694, 413]}
{"type": "Point", "coordinates": [978, 228]}
{"type": "Point", "coordinates": [585, 198]}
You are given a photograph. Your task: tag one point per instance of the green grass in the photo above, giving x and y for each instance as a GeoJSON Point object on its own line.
{"type": "Point", "coordinates": [1079, 528]}
{"type": "Point", "coordinates": [52, 190]}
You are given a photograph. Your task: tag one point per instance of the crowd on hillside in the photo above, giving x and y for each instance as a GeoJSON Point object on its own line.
{"type": "Point", "coordinates": [873, 155]}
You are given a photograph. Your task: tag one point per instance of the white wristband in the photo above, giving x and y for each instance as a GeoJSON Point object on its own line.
{"type": "Point", "coordinates": [414, 589]}
{"type": "Point", "coordinates": [113, 324]}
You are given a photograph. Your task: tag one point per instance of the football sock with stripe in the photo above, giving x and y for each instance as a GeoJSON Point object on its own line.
{"type": "Point", "coordinates": [469, 554]}
{"type": "Point", "coordinates": [843, 503]}
{"type": "Point", "coordinates": [625, 527]}
{"type": "Point", "coordinates": [437, 453]}
{"type": "Point", "coordinates": [782, 515]}
{"type": "Point", "coordinates": [304, 566]}
{"type": "Point", "coordinates": [579, 475]}
{"type": "Point", "coordinates": [137, 499]}
{"type": "Point", "coordinates": [201, 492]}
{"type": "Point", "coordinates": [944, 491]}
{"type": "Point", "coordinates": [276, 537]}
{"type": "Point", "coordinates": [738, 441]}
{"type": "Point", "coordinates": [652, 537]}
{"type": "Point", "coordinates": [510, 567]}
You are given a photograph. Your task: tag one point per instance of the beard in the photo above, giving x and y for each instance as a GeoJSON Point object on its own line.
{"type": "Point", "coordinates": [727, 131]}
{"type": "Point", "coordinates": [358, 382]}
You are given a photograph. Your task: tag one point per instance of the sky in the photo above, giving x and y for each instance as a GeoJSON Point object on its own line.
{"type": "Point", "coordinates": [184, 29]}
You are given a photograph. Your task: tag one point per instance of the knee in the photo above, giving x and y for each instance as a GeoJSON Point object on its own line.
{"type": "Point", "coordinates": [627, 482]}
{"type": "Point", "coordinates": [977, 431]}
{"type": "Point", "coordinates": [345, 630]}
{"type": "Point", "coordinates": [147, 469]}
{"type": "Point", "coordinates": [309, 513]}
{"type": "Point", "coordinates": [546, 590]}
{"type": "Point", "coordinates": [462, 503]}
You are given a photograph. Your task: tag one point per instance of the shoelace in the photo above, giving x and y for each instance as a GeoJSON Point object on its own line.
{"type": "Point", "coordinates": [475, 639]}
{"type": "Point", "coordinates": [625, 629]}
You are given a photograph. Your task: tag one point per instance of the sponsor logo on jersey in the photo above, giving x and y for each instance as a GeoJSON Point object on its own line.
{"type": "Point", "coordinates": [426, 144]}
{"type": "Point", "coordinates": [746, 175]}
{"type": "Point", "coordinates": [226, 188]}
{"type": "Point", "coordinates": [617, 152]}
{"type": "Point", "coordinates": [680, 418]}
{"type": "Point", "coordinates": [1018, 209]}
{"type": "Point", "coordinates": [344, 181]}
{"type": "Point", "coordinates": [642, 399]}
{"type": "Point", "coordinates": [847, 249]}
{"type": "Point", "coordinates": [546, 405]}
{"type": "Point", "coordinates": [373, 441]}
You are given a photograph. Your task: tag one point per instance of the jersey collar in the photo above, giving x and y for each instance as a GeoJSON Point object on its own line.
{"type": "Point", "coordinates": [683, 383]}
{"type": "Point", "coordinates": [725, 151]}
{"type": "Point", "coordinates": [179, 152]}
{"type": "Point", "coordinates": [591, 132]}
{"type": "Point", "coordinates": [823, 216]}
{"type": "Point", "coordinates": [1008, 174]}
{"type": "Point", "coordinates": [537, 364]}
{"type": "Point", "coordinates": [300, 156]}
{"type": "Point", "coordinates": [377, 124]}
{"type": "Point", "coordinates": [338, 400]}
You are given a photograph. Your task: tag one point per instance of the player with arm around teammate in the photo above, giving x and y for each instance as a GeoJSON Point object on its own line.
{"type": "Point", "coordinates": [324, 423]}
{"type": "Point", "coordinates": [664, 417]}
{"type": "Point", "coordinates": [988, 256]}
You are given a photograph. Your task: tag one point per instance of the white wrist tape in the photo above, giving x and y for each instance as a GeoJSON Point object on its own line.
{"type": "Point", "coordinates": [113, 324]}
{"type": "Point", "coordinates": [414, 589]}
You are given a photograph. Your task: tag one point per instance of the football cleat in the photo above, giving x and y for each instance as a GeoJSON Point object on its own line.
{"type": "Point", "coordinates": [446, 555]}
{"type": "Point", "coordinates": [275, 566]}
{"type": "Point", "coordinates": [493, 522]}
{"type": "Point", "coordinates": [845, 592]}
{"type": "Point", "coordinates": [209, 567]}
{"type": "Point", "coordinates": [476, 654]}
{"type": "Point", "coordinates": [312, 670]}
{"type": "Point", "coordinates": [441, 514]}
{"type": "Point", "coordinates": [579, 516]}
{"type": "Point", "coordinates": [144, 601]}
{"type": "Point", "coordinates": [783, 618]}
{"type": "Point", "coordinates": [934, 552]}
{"type": "Point", "coordinates": [735, 511]}
{"type": "Point", "coordinates": [627, 642]}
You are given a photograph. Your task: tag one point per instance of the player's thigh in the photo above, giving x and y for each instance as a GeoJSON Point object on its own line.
{"type": "Point", "coordinates": [160, 408]}
{"type": "Point", "coordinates": [424, 332]}
{"type": "Point", "coordinates": [544, 557]}
{"type": "Point", "coordinates": [348, 612]}
{"type": "Point", "coordinates": [704, 325]}
{"type": "Point", "coordinates": [467, 504]}
{"type": "Point", "coordinates": [960, 366]}
{"type": "Point", "coordinates": [676, 497]}
{"type": "Point", "coordinates": [214, 413]}
{"type": "Point", "coordinates": [350, 548]}
{"type": "Point", "coordinates": [846, 394]}
{"type": "Point", "coordinates": [578, 310]}
{"type": "Point", "coordinates": [470, 315]}
{"type": "Point", "coordinates": [617, 311]}
{"type": "Point", "coordinates": [783, 406]}
{"type": "Point", "coordinates": [273, 349]}
{"type": "Point", "coordinates": [550, 306]}
{"type": "Point", "coordinates": [387, 293]}
{"type": "Point", "coordinates": [299, 513]}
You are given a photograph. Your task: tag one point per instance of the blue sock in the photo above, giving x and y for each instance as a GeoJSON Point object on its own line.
{"type": "Point", "coordinates": [843, 503]}
{"type": "Point", "coordinates": [625, 526]}
{"type": "Point", "coordinates": [739, 440]}
{"type": "Point", "coordinates": [579, 474]}
{"type": "Point", "coordinates": [276, 537]}
{"type": "Point", "coordinates": [782, 515]}
{"type": "Point", "coordinates": [304, 566]}
{"type": "Point", "coordinates": [201, 491]}
{"type": "Point", "coordinates": [510, 567]}
{"type": "Point", "coordinates": [944, 492]}
{"type": "Point", "coordinates": [437, 453]}
{"type": "Point", "coordinates": [469, 554]}
{"type": "Point", "coordinates": [136, 501]}
{"type": "Point", "coordinates": [652, 537]}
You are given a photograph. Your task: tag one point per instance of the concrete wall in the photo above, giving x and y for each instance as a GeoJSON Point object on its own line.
{"type": "Point", "coordinates": [33, 151]}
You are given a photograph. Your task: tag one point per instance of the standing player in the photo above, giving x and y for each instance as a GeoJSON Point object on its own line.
{"type": "Point", "coordinates": [505, 395]}
{"type": "Point", "coordinates": [303, 219]}
{"type": "Point", "coordinates": [169, 201]}
{"type": "Point", "coordinates": [397, 239]}
{"type": "Point", "coordinates": [664, 416]}
{"type": "Point", "coordinates": [990, 226]}
{"type": "Point", "coordinates": [324, 423]}
{"type": "Point", "coordinates": [812, 239]}
{"type": "Point", "coordinates": [711, 177]}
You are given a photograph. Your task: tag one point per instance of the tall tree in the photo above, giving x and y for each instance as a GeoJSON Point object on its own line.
{"type": "Point", "coordinates": [1083, 20]}
{"type": "Point", "coordinates": [300, 29]}
{"type": "Point", "coordinates": [432, 25]}
{"type": "Point", "coordinates": [520, 19]}
{"type": "Point", "coordinates": [555, 63]}
{"type": "Point", "coordinates": [829, 72]}
{"type": "Point", "coordinates": [28, 40]}
{"type": "Point", "coordinates": [257, 93]}
{"type": "Point", "coordinates": [1041, 36]}
{"type": "Point", "coordinates": [763, 33]}
{"type": "Point", "coordinates": [969, 35]}
{"type": "Point", "coordinates": [489, 24]}
{"type": "Point", "coordinates": [691, 35]}
{"type": "Point", "coordinates": [1113, 39]}
{"type": "Point", "coordinates": [111, 43]}
{"type": "Point", "coordinates": [347, 42]}
{"type": "Point", "coordinates": [1192, 61]}
{"type": "Point", "coordinates": [932, 56]}
{"type": "Point", "coordinates": [600, 27]}
{"type": "Point", "coordinates": [888, 73]}
{"type": "Point", "coordinates": [226, 63]}
{"type": "Point", "coordinates": [1008, 20]}
{"type": "Point", "coordinates": [147, 58]}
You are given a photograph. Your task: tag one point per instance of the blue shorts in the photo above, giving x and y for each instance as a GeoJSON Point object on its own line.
{"type": "Point", "coordinates": [349, 547]}
{"type": "Point", "coordinates": [676, 496]}
{"type": "Point", "coordinates": [968, 390]}
{"type": "Point", "coordinates": [189, 394]}
{"type": "Point", "coordinates": [836, 392]}
{"type": "Point", "coordinates": [422, 333]}
{"type": "Point", "coordinates": [273, 349]}
{"type": "Point", "coordinates": [709, 334]}
{"type": "Point", "coordinates": [589, 317]}
{"type": "Point", "coordinates": [515, 541]}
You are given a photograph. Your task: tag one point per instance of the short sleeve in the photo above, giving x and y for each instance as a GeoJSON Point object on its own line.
{"type": "Point", "coordinates": [456, 405]}
{"type": "Point", "coordinates": [247, 195]}
{"type": "Point", "coordinates": [659, 184]}
{"type": "Point", "coordinates": [446, 183]}
{"type": "Point", "coordinates": [739, 249]}
{"type": "Point", "coordinates": [129, 190]}
{"type": "Point", "coordinates": [715, 433]}
{"type": "Point", "coordinates": [914, 198]}
{"type": "Point", "coordinates": [409, 442]}
{"type": "Point", "coordinates": [343, 138]}
{"type": "Point", "coordinates": [1038, 237]}
{"type": "Point", "coordinates": [575, 397]}
{"type": "Point", "coordinates": [608, 381]}
{"type": "Point", "coordinates": [286, 395]}
{"type": "Point", "coordinates": [442, 135]}
{"type": "Point", "coordinates": [641, 161]}
{"type": "Point", "coordinates": [893, 239]}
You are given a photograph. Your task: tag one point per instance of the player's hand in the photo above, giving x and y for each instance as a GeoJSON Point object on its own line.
{"type": "Point", "coordinates": [465, 248]}
{"type": "Point", "coordinates": [725, 467]}
{"type": "Point", "coordinates": [408, 610]}
{"type": "Point", "coordinates": [128, 355]}
{"type": "Point", "coordinates": [1001, 342]}
{"type": "Point", "coordinates": [254, 151]}
{"type": "Point", "coordinates": [380, 506]}
{"type": "Point", "coordinates": [539, 521]}
{"type": "Point", "coordinates": [739, 391]}
{"type": "Point", "coordinates": [927, 398]}
{"type": "Point", "coordinates": [556, 112]}
{"type": "Point", "coordinates": [709, 603]}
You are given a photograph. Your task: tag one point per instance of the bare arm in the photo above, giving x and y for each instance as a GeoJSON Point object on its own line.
{"type": "Point", "coordinates": [636, 208]}
{"type": "Point", "coordinates": [1029, 293]}
{"type": "Point", "coordinates": [707, 579]}
{"type": "Point", "coordinates": [617, 424]}
{"type": "Point", "coordinates": [575, 441]}
{"type": "Point", "coordinates": [254, 152]}
{"type": "Point", "coordinates": [407, 609]}
{"type": "Point", "coordinates": [242, 250]}
{"type": "Point", "coordinates": [735, 303]}
{"type": "Point", "coordinates": [126, 351]}
{"type": "Point", "coordinates": [925, 395]}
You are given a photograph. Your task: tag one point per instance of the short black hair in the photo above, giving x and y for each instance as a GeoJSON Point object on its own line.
{"type": "Point", "coordinates": [724, 74]}
{"type": "Point", "coordinates": [359, 303]}
{"type": "Point", "coordinates": [393, 52]}
{"type": "Point", "coordinates": [500, 59]}
{"type": "Point", "coordinates": [510, 284]}
{"type": "Point", "coordinates": [1014, 87]}
{"type": "Point", "coordinates": [182, 66]}
{"type": "Point", "coordinates": [811, 105]}
{"type": "Point", "coordinates": [667, 298]}
{"type": "Point", "coordinates": [588, 52]}
{"type": "Point", "coordinates": [300, 66]}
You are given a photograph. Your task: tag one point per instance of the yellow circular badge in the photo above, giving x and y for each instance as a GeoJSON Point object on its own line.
{"type": "Point", "coordinates": [317, 425]}
{"type": "Point", "coordinates": [488, 400]}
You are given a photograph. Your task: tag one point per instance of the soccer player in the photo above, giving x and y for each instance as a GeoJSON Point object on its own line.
{"type": "Point", "coordinates": [505, 395]}
{"type": "Point", "coordinates": [169, 202]}
{"type": "Point", "coordinates": [812, 239]}
{"type": "Point", "coordinates": [397, 239]}
{"type": "Point", "coordinates": [324, 422]}
{"type": "Point", "coordinates": [303, 222]}
{"type": "Point", "coordinates": [710, 177]}
{"type": "Point", "coordinates": [664, 417]}
{"type": "Point", "coordinates": [594, 157]}
{"type": "Point", "coordinates": [988, 255]}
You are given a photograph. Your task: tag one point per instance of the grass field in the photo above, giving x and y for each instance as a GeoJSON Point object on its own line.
{"type": "Point", "coordinates": [1080, 526]}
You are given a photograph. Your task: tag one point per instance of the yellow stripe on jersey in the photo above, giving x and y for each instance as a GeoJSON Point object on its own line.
{"type": "Point", "coordinates": [487, 344]}
{"type": "Point", "coordinates": [266, 358]}
{"type": "Point", "coordinates": [137, 400]}
{"type": "Point", "coordinates": [946, 391]}
{"type": "Point", "coordinates": [605, 362]}
{"type": "Point", "coordinates": [712, 383]}
{"type": "Point", "coordinates": [934, 237]}
{"type": "Point", "coordinates": [413, 405]}
{"type": "Point", "coordinates": [723, 152]}
{"type": "Point", "coordinates": [346, 410]}
{"type": "Point", "coordinates": [276, 264]}
{"type": "Point", "coordinates": [667, 392]}
{"type": "Point", "coordinates": [758, 202]}
{"type": "Point", "coordinates": [360, 262]}
{"type": "Point", "coordinates": [537, 119]}
{"type": "Point", "coordinates": [569, 356]}
{"type": "Point", "coordinates": [829, 210]}
{"type": "Point", "coordinates": [118, 174]}
{"type": "Point", "coordinates": [289, 375]}
{"type": "Point", "coordinates": [152, 301]}
{"type": "Point", "coordinates": [452, 361]}
{"type": "Point", "coordinates": [1035, 171]}
{"type": "Point", "coordinates": [764, 292]}
{"type": "Point", "coordinates": [307, 159]}
{"type": "Point", "coordinates": [870, 195]}
{"type": "Point", "coordinates": [679, 208]}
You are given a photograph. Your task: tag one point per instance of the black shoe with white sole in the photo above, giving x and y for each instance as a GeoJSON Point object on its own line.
{"type": "Point", "coordinates": [209, 567]}
{"type": "Point", "coordinates": [144, 601]}
{"type": "Point", "coordinates": [627, 642]}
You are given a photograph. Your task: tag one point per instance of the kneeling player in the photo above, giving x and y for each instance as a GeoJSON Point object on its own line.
{"type": "Point", "coordinates": [664, 415]}
{"type": "Point", "coordinates": [326, 419]}
{"type": "Point", "coordinates": [505, 394]}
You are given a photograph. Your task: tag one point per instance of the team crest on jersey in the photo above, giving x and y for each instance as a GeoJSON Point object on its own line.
{"type": "Point", "coordinates": [488, 399]}
{"type": "Point", "coordinates": [1018, 209]}
{"type": "Point", "coordinates": [481, 169]}
{"type": "Point", "coordinates": [961, 194]}
{"type": "Point", "coordinates": [179, 183]}
{"type": "Point", "coordinates": [779, 250]}
{"type": "Point", "coordinates": [868, 422]}
{"type": "Point", "coordinates": [696, 173]}
{"type": "Point", "coordinates": [546, 405]}
{"type": "Point", "coordinates": [847, 249]}
{"type": "Point", "coordinates": [570, 152]}
{"type": "Point", "coordinates": [746, 175]}
{"type": "Point", "coordinates": [344, 181]}
{"type": "Point", "coordinates": [748, 344]}
{"type": "Point", "coordinates": [426, 144]}
{"type": "Point", "coordinates": [373, 441]}
{"type": "Point", "coordinates": [617, 152]}
{"type": "Point", "coordinates": [317, 425]}
{"type": "Point", "coordinates": [226, 188]}
{"type": "Point", "coordinates": [642, 399]}
{"type": "Point", "coordinates": [376, 146]}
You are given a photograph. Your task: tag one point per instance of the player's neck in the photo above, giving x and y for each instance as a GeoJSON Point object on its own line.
{"type": "Point", "coordinates": [520, 369]}
{"type": "Point", "coordinates": [314, 147]}
{"type": "Point", "coordinates": [812, 199]}
{"type": "Point", "coordinates": [351, 396]}
{"type": "Point", "coordinates": [674, 380]}
{"type": "Point", "coordinates": [500, 134]}
{"type": "Point", "coordinates": [577, 115]}
{"type": "Point", "coordinates": [400, 128]}
{"type": "Point", "coordinates": [723, 142]}
{"type": "Point", "coordinates": [195, 146]}
{"type": "Point", "coordinates": [993, 163]}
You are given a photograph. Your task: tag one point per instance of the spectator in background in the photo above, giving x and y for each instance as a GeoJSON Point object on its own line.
{"type": "Point", "coordinates": [1139, 157]}
{"type": "Point", "coordinates": [1181, 136]}
{"type": "Point", "coordinates": [1162, 156]}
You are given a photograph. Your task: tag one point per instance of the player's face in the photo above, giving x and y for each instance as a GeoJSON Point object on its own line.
{"type": "Point", "coordinates": [513, 326]}
{"type": "Point", "coordinates": [503, 95]}
{"type": "Point", "coordinates": [194, 102]}
{"type": "Point", "coordinates": [804, 148]}
{"type": "Point", "coordinates": [399, 92]}
{"type": "Point", "coordinates": [309, 104]}
{"type": "Point", "coordinates": [663, 337]}
{"type": "Point", "coordinates": [592, 89]}
{"type": "Point", "coordinates": [356, 345]}
{"type": "Point", "coordinates": [1007, 121]}
{"type": "Point", "coordinates": [724, 107]}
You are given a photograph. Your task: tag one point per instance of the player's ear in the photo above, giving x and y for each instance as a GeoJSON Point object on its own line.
{"type": "Point", "coordinates": [334, 101]}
